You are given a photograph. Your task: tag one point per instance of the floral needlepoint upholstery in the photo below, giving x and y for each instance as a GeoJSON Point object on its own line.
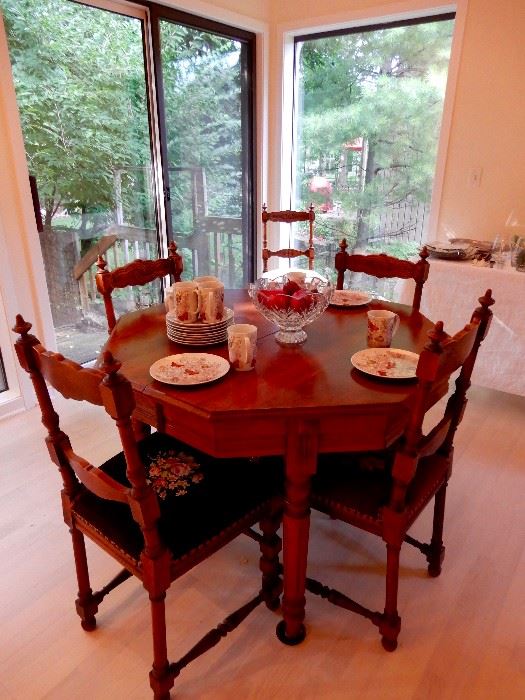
{"type": "Point", "coordinates": [172, 472]}
{"type": "Point", "coordinates": [196, 492]}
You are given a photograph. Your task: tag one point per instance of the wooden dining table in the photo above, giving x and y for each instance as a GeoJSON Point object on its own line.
{"type": "Point", "coordinates": [297, 402]}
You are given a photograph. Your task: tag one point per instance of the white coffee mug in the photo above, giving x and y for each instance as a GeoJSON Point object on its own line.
{"type": "Point", "coordinates": [211, 301]}
{"type": "Point", "coordinates": [187, 301]}
{"type": "Point", "coordinates": [242, 346]}
{"type": "Point", "coordinates": [382, 326]}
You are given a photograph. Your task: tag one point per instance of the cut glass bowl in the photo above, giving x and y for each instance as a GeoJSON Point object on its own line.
{"type": "Point", "coordinates": [292, 300]}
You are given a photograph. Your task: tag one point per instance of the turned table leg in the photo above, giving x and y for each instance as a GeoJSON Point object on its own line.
{"type": "Point", "coordinates": [301, 462]}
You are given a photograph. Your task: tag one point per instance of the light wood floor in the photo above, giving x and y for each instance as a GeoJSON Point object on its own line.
{"type": "Point", "coordinates": [463, 634]}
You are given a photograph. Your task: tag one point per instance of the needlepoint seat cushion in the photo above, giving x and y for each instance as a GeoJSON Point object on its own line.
{"type": "Point", "coordinates": [343, 485]}
{"type": "Point", "coordinates": [207, 494]}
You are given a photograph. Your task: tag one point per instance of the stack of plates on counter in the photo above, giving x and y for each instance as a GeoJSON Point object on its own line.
{"type": "Point", "coordinates": [480, 246]}
{"type": "Point", "coordinates": [198, 333]}
{"type": "Point", "coordinates": [451, 251]}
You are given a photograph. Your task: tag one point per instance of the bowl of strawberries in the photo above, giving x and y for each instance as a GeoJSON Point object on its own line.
{"type": "Point", "coordinates": [292, 300]}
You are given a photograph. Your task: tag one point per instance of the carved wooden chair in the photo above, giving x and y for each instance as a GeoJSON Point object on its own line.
{"type": "Point", "coordinates": [288, 217]}
{"type": "Point", "coordinates": [383, 265]}
{"type": "Point", "coordinates": [387, 499]}
{"type": "Point", "coordinates": [158, 507]}
{"type": "Point", "coordinates": [137, 272]}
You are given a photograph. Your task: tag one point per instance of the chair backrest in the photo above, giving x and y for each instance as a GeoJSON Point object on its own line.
{"type": "Point", "coordinates": [137, 272]}
{"type": "Point", "coordinates": [102, 387]}
{"type": "Point", "coordinates": [442, 356]}
{"type": "Point", "coordinates": [288, 217]}
{"type": "Point", "coordinates": [382, 265]}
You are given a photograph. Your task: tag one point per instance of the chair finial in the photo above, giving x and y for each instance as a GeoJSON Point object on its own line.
{"type": "Point", "coordinates": [110, 366]}
{"type": "Point", "coordinates": [483, 313]}
{"type": "Point", "coordinates": [21, 327]}
{"type": "Point", "coordinates": [176, 258]}
{"type": "Point", "coordinates": [436, 336]}
{"type": "Point", "coordinates": [101, 264]}
{"type": "Point", "coordinates": [486, 300]}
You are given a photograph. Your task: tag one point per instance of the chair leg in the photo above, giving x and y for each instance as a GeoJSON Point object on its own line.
{"type": "Point", "coordinates": [160, 678]}
{"type": "Point", "coordinates": [437, 550]}
{"type": "Point", "coordinates": [85, 604]}
{"type": "Point", "coordinates": [269, 565]}
{"type": "Point", "coordinates": [390, 624]}
{"type": "Point", "coordinates": [140, 430]}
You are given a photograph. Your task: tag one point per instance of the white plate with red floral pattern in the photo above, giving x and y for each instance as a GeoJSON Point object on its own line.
{"type": "Point", "coordinates": [349, 297]}
{"type": "Point", "coordinates": [386, 363]}
{"type": "Point", "coordinates": [189, 368]}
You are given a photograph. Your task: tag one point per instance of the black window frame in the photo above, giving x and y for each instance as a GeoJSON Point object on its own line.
{"type": "Point", "coordinates": [4, 386]}
{"type": "Point", "coordinates": [343, 31]}
{"type": "Point", "coordinates": [248, 69]}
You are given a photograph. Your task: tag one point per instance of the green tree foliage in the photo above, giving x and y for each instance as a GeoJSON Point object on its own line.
{"type": "Point", "coordinates": [79, 76]}
{"type": "Point", "coordinates": [202, 88]}
{"type": "Point", "coordinates": [80, 88]}
{"type": "Point", "coordinates": [385, 87]}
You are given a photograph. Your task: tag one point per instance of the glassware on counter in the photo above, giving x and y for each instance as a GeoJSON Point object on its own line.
{"type": "Point", "coordinates": [517, 246]}
{"type": "Point", "coordinates": [499, 251]}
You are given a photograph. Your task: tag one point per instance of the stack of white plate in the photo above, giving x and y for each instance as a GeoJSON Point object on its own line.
{"type": "Point", "coordinates": [451, 251]}
{"type": "Point", "coordinates": [198, 333]}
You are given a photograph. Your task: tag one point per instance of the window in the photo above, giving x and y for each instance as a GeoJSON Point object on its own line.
{"type": "Point", "coordinates": [127, 153]}
{"type": "Point", "coordinates": [82, 97]}
{"type": "Point", "coordinates": [368, 107]}
{"type": "Point", "coordinates": [204, 72]}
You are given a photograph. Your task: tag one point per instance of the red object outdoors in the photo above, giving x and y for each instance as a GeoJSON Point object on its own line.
{"type": "Point", "coordinates": [355, 144]}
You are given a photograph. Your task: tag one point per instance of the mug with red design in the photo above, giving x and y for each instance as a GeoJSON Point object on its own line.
{"type": "Point", "coordinates": [382, 326]}
{"type": "Point", "coordinates": [187, 301]}
{"type": "Point", "coordinates": [211, 301]}
{"type": "Point", "coordinates": [242, 345]}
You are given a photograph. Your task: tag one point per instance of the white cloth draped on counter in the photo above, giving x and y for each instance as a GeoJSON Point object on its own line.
{"type": "Point", "coordinates": [450, 295]}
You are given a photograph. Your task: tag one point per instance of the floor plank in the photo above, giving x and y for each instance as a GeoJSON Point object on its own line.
{"type": "Point", "coordinates": [463, 634]}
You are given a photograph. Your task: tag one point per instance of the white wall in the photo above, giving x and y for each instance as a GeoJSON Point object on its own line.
{"type": "Point", "coordinates": [239, 13]}
{"type": "Point", "coordinates": [487, 124]}
{"type": "Point", "coordinates": [21, 270]}
{"type": "Point", "coordinates": [336, 11]}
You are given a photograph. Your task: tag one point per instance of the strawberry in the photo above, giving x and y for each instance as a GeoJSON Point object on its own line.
{"type": "Point", "coordinates": [273, 299]}
{"type": "Point", "coordinates": [301, 301]}
{"type": "Point", "coordinates": [290, 287]}
{"type": "Point", "coordinates": [263, 297]}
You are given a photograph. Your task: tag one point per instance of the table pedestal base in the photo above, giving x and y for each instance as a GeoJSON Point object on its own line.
{"type": "Point", "coordinates": [280, 631]}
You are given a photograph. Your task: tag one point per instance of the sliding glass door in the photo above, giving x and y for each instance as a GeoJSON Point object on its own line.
{"type": "Point", "coordinates": [121, 162]}
{"type": "Point", "coordinates": [81, 88]}
{"type": "Point", "coordinates": [205, 106]}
